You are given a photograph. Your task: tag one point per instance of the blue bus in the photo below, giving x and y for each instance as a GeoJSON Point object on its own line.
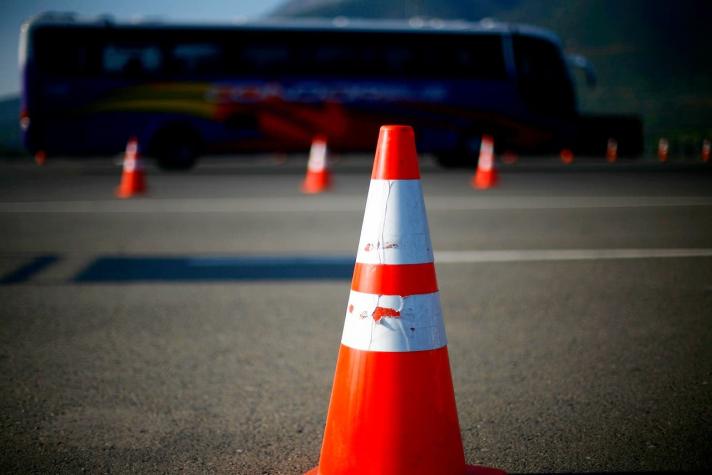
{"type": "Point", "coordinates": [191, 90]}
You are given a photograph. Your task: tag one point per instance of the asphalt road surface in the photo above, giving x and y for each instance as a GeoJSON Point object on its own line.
{"type": "Point", "coordinates": [195, 330]}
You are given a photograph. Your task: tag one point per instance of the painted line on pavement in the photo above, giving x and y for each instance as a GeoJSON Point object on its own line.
{"type": "Point", "coordinates": [466, 257]}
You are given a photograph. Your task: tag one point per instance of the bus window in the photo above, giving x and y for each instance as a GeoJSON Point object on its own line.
{"type": "Point", "coordinates": [483, 57]}
{"type": "Point", "coordinates": [346, 58]}
{"type": "Point", "coordinates": [66, 54]}
{"type": "Point", "coordinates": [401, 56]}
{"type": "Point", "coordinates": [341, 55]}
{"type": "Point", "coordinates": [398, 60]}
{"type": "Point", "coordinates": [265, 58]}
{"type": "Point", "coordinates": [196, 59]}
{"type": "Point", "coordinates": [130, 60]}
{"type": "Point", "coordinates": [464, 58]}
{"type": "Point", "coordinates": [330, 59]}
{"type": "Point", "coordinates": [542, 76]}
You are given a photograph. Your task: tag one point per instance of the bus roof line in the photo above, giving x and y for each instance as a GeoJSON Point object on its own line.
{"type": "Point", "coordinates": [413, 25]}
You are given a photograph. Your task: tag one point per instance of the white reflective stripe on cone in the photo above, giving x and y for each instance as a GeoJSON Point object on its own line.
{"type": "Point", "coordinates": [486, 155]}
{"type": "Point", "coordinates": [317, 157]}
{"type": "Point", "coordinates": [663, 146]}
{"type": "Point", "coordinates": [130, 164]}
{"type": "Point", "coordinates": [395, 227]}
{"type": "Point", "coordinates": [394, 323]}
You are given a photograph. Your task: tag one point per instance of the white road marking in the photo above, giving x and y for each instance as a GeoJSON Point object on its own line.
{"type": "Point", "coordinates": [526, 255]}
{"type": "Point", "coordinates": [346, 203]}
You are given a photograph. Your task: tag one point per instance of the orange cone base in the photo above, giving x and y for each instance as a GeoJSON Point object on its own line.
{"type": "Point", "coordinates": [130, 186]}
{"type": "Point", "coordinates": [469, 470]}
{"type": "Point", "coordinates": [316, 183]}
{"type": "Point", "coordinates": [483, 180]}
{"type": "Point", "coordinates": [393, 413]}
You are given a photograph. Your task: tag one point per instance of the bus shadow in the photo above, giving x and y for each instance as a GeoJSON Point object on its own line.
{"type": "Point", "coordinates": [120, 269]}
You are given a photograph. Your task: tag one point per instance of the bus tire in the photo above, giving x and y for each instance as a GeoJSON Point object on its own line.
{"type": "Point", "coordinates": [176, 148]}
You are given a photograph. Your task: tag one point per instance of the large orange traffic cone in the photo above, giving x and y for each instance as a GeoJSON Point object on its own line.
{"type": "Point", "coordinates": [392, 408]}
{"type": "Point", "coordinates": [705, 153]}
{"type": "Point", "coordinates": [133, 181]}
{"type": "Point", "coordinates": [318, 177]}
{"type": "Point", "coordinates": [486, 175]}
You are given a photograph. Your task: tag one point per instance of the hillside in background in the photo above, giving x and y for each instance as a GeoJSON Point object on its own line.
{"type": "Point", "coordinates": [652, 57]}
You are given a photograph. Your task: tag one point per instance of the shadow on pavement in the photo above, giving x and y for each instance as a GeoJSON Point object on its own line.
{"type": "Point", "coordinates": [25, 272]}
{"type": "Point", "coordinates": [177, 269]}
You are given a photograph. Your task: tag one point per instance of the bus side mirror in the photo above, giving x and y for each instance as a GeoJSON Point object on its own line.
{"type": "Point", "coordinates": [581, 62]}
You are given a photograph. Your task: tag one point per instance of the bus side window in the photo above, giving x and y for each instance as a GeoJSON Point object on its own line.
{"type": "Point", "coordinates": [196, 59]}
{"type": "Point", "coordinates": [484, 58]}
{"type": "Point", "coordinates": [327, 59]}
{"type": "Point", "coordinates": [131, 61]}
{"type": "Point", "coordinates": [475, 57]}
{"type": "Point", "coordinates": [265, 58]}
{"type": "Point", "coordinates": [65, 53]}
{"type": "Point", "coordinates": [542, 76]}
{"type": "Point", "coordinates": [398, 60]}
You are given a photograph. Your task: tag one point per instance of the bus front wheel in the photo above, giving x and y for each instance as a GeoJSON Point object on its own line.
{"type": "Point", "coordinates": [176, 149]}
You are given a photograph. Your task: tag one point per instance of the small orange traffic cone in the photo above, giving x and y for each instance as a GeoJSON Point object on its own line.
{"type": "Point", "coordinates": [318, 177]}
{"type": "Point", "coordinates": [486, 175]}
{"type": "Point", "coordinates": [133, 181]}
{"type": "Point", "coordinates": [40, 158]}
{"type": "Point", "coordinates": [612, 150]}
{"type": "Point", "coordinates": [663, 149]}
{"type": "Point", "coordinates": [566, 156]}
{"type": "Point", "coordinates": [392, 408]}
{"type": "Point", "coordinates": [509, 157]}
{"type": "Point", "coordinates": [705, 153]}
